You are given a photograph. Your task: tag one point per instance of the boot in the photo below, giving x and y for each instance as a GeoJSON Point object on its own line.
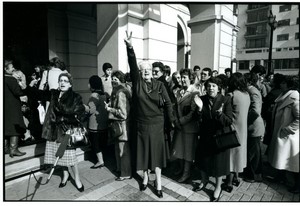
{"type": "Point", "coordinates": [6, 143]}
{"type": "Point", "coordinates": [180, 168]}
{"type": "Point", "coordinates": [14, 151]}
{"type": "Point", "coordinates": [186, 172]}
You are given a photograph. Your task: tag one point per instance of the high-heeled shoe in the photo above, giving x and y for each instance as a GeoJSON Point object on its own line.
{"type": "Point", "coordinates": [63, 184]}
{"type": "Point", "coordinates": [81, 189]}
{"type": "Point", "coordinates": [199, 187]}
{"type": "Point", "coordinates": [159, 193]}
{"type": "Point", "coordinates": [216, 199]}
{"type": "Point", "coordinates": [226, 188]}
{"type": "Point", "coordinates": [143, 187]}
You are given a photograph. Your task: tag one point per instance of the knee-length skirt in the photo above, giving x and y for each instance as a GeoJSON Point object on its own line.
{"type": "Point", "coordinates": [68, 159]}
{"type": "Point", "coordinates": [150, 146]}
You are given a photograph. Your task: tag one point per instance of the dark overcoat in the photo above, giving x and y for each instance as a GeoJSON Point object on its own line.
{"type": "Point", "coordinates": [210, 160]}
{"type": "Point", "coordinates": [13, 118]}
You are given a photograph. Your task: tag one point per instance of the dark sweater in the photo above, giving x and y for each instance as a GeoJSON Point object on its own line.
{"type": "Point", "coordinates": [146, 105]}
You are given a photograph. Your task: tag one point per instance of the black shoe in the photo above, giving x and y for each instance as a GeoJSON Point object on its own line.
{"type": "Point", "coordinates": [249, 180]}
{"type": "Point", "coordinates": [159, 193]}
{"type": "Point", "coordinates": [81, 189]}
{"type": "Point", "coordinates": [96, 167]}
{"type": "Point", "coordinates": [198, 188]}
{"type": "Point", "coordinates": [143, 187]}
{"type": "Point", "coordinates": [214, 199]}
{"type": "Point", "coordinates": [63, 184]}
{"type": "Point", "coordinates": [236, 182]}
{"type": "Point", "coordinates": [294, 190]}
{"type": "Point", "coordinates": [226, 188]}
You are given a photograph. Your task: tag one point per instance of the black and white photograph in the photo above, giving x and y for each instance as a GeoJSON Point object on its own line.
{"type": "Point", "coordinates": [118, 102]}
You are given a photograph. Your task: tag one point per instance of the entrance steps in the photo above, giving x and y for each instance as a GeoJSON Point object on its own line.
{"type": "Point", "coordinates": [33, 161]}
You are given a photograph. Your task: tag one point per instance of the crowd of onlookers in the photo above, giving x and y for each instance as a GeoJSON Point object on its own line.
{"type": "Point", "coordinates": [162, 116]}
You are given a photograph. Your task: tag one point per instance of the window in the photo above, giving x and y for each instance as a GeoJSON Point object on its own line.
{"type": "Point", "coordinates": [284, 22]}
{"type": "Point", "coordinates": [256, 6]}
{"type": "Point", "coordinates": [285, 8]}
{"type": "Point", "coordinates": [287, 63]}
{"type": "Point", "coordinates": [256, 29]}
{"type": "Point", "coordinates": [297, 35]}
{"type": "Point", "coordinates": [244, 65]}
{"type": "Point", "coordinates": [282, 37]}
{"type": "Point", "coordinates": [258, 16]}
{"type": "Point", "coordinates": [255, 43]}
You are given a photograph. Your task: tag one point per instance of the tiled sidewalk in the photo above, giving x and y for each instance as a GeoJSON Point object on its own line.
{"type": "Point", "coordinates": [101, 186]}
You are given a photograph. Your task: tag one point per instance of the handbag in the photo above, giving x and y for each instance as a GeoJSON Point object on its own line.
{"type": "Point", "coordinates": [115, 129]}
{"type": "Point", "coordinates": [78, 137]}
{"type": "Point", "coordinates": [226, 139]}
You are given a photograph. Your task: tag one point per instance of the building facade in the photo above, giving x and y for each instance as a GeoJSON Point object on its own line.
{"type": "Point", "coordinates": [86, 35]}
{"type": "Point", "coordinates": [253, 39]}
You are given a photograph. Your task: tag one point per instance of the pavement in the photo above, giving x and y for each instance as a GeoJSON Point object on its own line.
{"type": "Point", "coordinates": [100, 185]}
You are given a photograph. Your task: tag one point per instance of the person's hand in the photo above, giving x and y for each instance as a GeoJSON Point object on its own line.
{"type": "Point", "coordinates": [284, 133]}
{"type": "Point", "coordinates": [107, 107]}
{"type": "Point", "coordinates": [198, 102]}
{"type": "Point", "coordinates": [33, 83]}
{"type": "Point", "coordinates": [128, 39]}
{"type": "Point", "coordinates": [219, 111]}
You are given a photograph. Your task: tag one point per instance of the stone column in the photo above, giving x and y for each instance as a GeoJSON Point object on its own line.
{"type": "Point", "coordinates": [212, 28]}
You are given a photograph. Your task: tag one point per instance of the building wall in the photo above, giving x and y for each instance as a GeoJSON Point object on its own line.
{"type": "Point", "coordinates": [72, 38]}
{"type": "Point", "coordinates": [212, 27]}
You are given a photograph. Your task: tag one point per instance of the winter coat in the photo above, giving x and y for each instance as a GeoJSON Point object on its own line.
{"type": "Point", "coordinates": [256, 126]}
{"type": "Point", "coordinates": [240, 108]}
{"type": "Point", "coordinates": [62, 114]}
{"type": "Point", "coordinates": [120, 109]}
{"type": "Point", "coordinates": [283, 151]}
{"type": "Point", "coordinates": [13, 118]}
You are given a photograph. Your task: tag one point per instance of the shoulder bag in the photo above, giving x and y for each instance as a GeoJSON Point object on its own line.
{"type": "Point", "coordinates": [78, 137]}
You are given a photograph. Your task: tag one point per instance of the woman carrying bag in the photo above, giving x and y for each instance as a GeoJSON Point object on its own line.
{"type": "Point", "coordinates": [119, 115]}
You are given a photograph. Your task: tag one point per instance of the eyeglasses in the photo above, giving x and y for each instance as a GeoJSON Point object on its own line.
{"type": "Point", "coordinates": [155, 71]}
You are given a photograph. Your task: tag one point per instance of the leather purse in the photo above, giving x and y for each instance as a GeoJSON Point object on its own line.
{"type": "Point", "coordinates": [78, 137]}
{"type": "Point", "coordinates": [226, 138]}
{"type": "Point", "coordinates": [115, 128]}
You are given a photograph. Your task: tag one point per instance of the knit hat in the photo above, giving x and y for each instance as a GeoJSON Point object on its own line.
{"type": "Point", "coordinates": [95, 82]}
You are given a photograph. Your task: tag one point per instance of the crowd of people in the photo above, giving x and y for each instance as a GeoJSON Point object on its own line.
{"type": "Point", "coordinates": [162, 117]}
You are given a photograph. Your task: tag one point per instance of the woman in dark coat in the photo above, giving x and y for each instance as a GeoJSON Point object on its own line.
{"type": "Point", "coordinates": [65, 109]}
{"type": "Point", "coordinates": [13, 119]}
{"type": "Point", "coordinates": [150, 98]}
{"type": "Point", "coordinates": [215, 114]}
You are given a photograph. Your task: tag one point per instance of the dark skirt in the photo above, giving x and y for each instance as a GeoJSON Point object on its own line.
{"type": "Point", "coordinates": [213, 163]}
{"type": "Point", "coordinates": [150, 146]}
{"type": "Point", "coordinates": [98, 139]}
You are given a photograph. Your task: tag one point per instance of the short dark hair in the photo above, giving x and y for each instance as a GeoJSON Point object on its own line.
{"type": "Point", "coordinates": [292, 82]}
{"type": "Point", "coordinates": [196, 67]}
{"type": "Point", "coordinates": [228, 70]}
{"type": "Point", "coordinates": [167, 70]}
{"type": "Point", "coordinates": [160, 65]}
{"type": "Point", "coordinates": [237, 82]}
{"type": "Point", "coordinates": [106, 66]}
{"type": "Point", "coordinates": [96, 82]}
{"type": "Point", "coordinates": [277, 79]}
{"type": "Point", "coordinates": [120, 75]}
{"type": "Point", "coordinates": [215, 80]}
{"type": "Point", "coordinates": [258, 69]}
{"type": "Point", "coordinates": [57, 63]}
{"type": "Point", "coordinates": [208, 70]}
{"type": "Point", "coordinates": [189, 73]}
{"type": "Point", "coordinates": [251, 78]}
